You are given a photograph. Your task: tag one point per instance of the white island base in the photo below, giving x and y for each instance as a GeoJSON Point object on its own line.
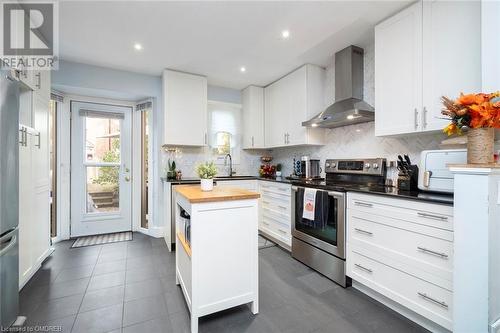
{"type": "Point", "coordinates": [218, 268]}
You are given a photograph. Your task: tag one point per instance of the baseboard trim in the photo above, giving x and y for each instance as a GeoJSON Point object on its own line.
{"type": "Point", "coordinates": [36, 266]}
{"type": "Point", "coordinates": [411, 315]}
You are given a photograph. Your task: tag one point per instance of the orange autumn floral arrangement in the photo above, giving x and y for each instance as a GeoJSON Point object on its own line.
{"type": "Point", "coordinates": [472, 111]}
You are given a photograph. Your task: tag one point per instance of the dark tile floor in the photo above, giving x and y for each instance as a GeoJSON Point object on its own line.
{"type": "Point", "coordinates": [130, 287]}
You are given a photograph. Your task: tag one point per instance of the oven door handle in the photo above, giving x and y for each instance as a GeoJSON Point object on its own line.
{"type": "Point", "coordinates": [330, 193]}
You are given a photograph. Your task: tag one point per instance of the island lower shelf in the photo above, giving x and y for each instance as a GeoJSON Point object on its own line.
{"type": "Point", "coordinates": [217, 268]}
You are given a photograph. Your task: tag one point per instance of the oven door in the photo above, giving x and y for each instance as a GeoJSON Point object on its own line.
{"type": "Point", "coordinates": [329, 237]}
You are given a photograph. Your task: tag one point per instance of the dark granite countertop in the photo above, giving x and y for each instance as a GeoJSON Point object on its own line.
{"type": "Point", "coordinates": [440, 198]}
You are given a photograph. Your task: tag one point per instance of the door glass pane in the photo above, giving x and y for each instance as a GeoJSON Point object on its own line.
{"type": "Point", "coordinates": [324, 226]}
{"type": "Point", "coordinates": [102, 140]}
{"type": "Point", "coordinates": [103, 190]}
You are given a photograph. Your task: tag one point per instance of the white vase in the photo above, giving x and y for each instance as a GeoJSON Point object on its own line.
{"type": "Point", "coordinates": [207, 185]}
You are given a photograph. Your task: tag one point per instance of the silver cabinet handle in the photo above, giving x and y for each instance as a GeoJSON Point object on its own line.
{"type": "Point", "coordinates": [416, 118]}
{"type": "Point", "coordinates": [363, 268]}
{"type": "Point", "coordinates": [284, 138]}
{"type": "Point", "coordinates": [24, 136]}
{"type": "Point", "coordinates": [287, 138]}
{"type": "Point", "coordinates": [433, 300]}
{"type": "Point", "coordinates": [432, 216]}
{"type": "Point", "coordinates": [364, 231]}
{"type": "Point", "coordinates": [39, 144]}
{"type": "Point", "coordinates": [362, 204]}
{"type": "Point", "coordinates": [39, 81]}
{"type": "Point", "coordinates": [424, 118]}
{"type": "Point", "coordinates": [282, 231]}
{"type": "Point", "coordinates": [266, 202]}
{"type": "Point", "coordinates": [266, 223]}
{"type": "Point", "coordinates": [439, 254]}
{"type": "Point", "coordinates": [206, 139]}
{"type": "Point", "coordinates": [252, 141]}
{"type": "Point", "coordinates": [427, 178]}
{"type": "Point", "coordinates": [282, 207]}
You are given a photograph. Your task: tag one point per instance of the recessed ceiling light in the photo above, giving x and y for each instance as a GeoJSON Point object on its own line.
{"type": "Point", "coordinates": [243, 69]}
{"type": "Point", "coordinates": [138, 46]}
{"type": "Point", "coordinates": [285, 34]}
{"type": "Point", "coordinates": [358, 130]}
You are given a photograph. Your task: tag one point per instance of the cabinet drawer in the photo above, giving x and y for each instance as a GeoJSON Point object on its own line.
{"type": "Point", "coordinates": [411, 251]}
{"type": "Point", "coordinates": [433, 215]}
{"type": "Point", "coordinates": [275, 224]}
{"type": "Point", "coordinates": [276, 188]}
{"type": "Point", "coordinates": [272, 230]}
{"type": "Point", "coordinates": [278, 207]}
{"type": "Point", "coordinates": [424, 298]}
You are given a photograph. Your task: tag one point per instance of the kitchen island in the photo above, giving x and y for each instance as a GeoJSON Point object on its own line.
{"type": "Point", "coordinates": [217, 249]}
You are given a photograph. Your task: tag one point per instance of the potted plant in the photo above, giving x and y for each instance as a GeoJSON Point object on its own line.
{"type": "Point", "coordinates": [207, 171]}
{"type": "Point", "coordinates": [278, 170]}
{"type": "Point", "coordinates": [480, 113]}
{"type": "Point", "coordinates": [171, 173]}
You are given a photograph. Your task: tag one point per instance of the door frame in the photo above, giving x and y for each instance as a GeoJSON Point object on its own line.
{"type": "Point", "coordinates": [84, 223]}
{"type": "Point", "coordinates": [64, 164]}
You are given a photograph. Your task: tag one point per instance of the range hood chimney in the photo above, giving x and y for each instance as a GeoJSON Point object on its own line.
{"type": "Point", "coordinates": [349, 107]}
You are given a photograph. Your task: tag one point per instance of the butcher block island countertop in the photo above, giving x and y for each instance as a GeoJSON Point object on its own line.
{"type": "Point", "coordinates": [194, 194]}
{"type": "Point", "coordinates": [216, 258]}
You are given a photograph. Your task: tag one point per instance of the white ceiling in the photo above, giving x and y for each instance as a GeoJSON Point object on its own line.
{"type": "Point", "coordinates": [216, 38]}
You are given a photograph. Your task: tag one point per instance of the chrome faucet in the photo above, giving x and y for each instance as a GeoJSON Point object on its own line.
{"type": "Point", "coordinates": [230, 164]}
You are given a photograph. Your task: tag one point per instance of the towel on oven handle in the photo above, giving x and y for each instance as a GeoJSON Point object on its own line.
{"type": "Point", "coordinates": [309, 203]}
{"type": "Point", "coordinates": [321, 212]}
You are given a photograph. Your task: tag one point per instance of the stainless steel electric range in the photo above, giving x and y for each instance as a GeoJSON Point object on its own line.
{"type": "Point", "coordinates": [320, 243]}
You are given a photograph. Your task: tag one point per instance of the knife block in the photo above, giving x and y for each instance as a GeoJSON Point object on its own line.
{"type": "Point", "coordinates": [408, 181]}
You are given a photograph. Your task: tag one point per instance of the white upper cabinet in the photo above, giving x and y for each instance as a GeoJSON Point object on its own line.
{"type": "Point", "coordinates": [253, 117]}
{"type": "Point", "coordinates": [185, 107]}
{"type": "Point", "coordinates": [398, 72]}
{"type": "Point", "coordinates": [291, 100]}
{"type": "Point", "coordinates": [421, 54]}
{"type": "Point", "coordinates": [451, 55]}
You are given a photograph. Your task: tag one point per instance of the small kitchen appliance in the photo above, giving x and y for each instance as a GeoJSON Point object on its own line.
{"type": "Point", "coordinates": [320, 243]}
{"type": "Point", "coordinates": [434, 173]}
{"type": "Point", "coordinates": [310, 168]}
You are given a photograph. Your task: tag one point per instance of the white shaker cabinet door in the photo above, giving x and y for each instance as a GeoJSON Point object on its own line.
{"type": "Point", "coordinates": [451, 55]}
{"type": "Point", "coordinates": [398, 73]}
{"type": "Point", "coordinates": [253, 117]}
{"type": "Point", "coordinates": [185, 108]}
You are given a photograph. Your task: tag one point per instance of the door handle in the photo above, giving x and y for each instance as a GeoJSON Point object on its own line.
{"type": "Point", "coordinates": [12, 242]}
{"type": "Point", "coordinates": [39, 144]}
{"type": "Point", "coordinates": [424, 118]}
{"type": "Point", "coordinates": [416, 118]}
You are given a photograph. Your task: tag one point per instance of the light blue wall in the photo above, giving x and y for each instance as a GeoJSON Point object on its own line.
{"type": "Point", "coordinates": [83, 79]}
{"type": "Point", "coordinates": [222, 94]}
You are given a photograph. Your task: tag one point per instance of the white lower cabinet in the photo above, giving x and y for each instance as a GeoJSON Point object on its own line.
{"type": "Point", "coordinates": [403, 250]}
{"type": "Point", "coordinates": [275, 220]}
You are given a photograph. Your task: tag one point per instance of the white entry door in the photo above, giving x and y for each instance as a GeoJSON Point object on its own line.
{"type": "Point", "coordinates": [101, 149]}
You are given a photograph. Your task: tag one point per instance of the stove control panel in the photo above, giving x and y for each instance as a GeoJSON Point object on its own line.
{"type": "Point", "coordinates": [373, 166]}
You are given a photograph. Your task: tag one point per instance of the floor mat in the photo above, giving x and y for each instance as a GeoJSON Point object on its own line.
{"type": "Point", "coordinates": [102, 239]}
{"type": "Point", "coordinates": [265, 243]}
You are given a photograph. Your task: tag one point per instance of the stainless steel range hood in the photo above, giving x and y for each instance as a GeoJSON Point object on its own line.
{"type": "Point", "coordinates": [349, 107]}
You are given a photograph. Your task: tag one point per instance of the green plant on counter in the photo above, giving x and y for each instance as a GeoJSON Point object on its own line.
{"type": "Point", "coordinates": [206, 170]}
{"type": "Point", "coordinates": [171, 172]}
